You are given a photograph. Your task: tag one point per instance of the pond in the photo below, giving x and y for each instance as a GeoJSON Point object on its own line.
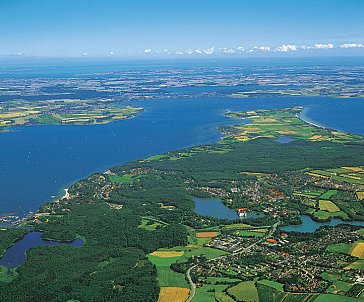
{"type": "Point", "coordinates": [16, 255]}
{"type": "Point", "coordinates": [310, 226]}
{"type": "Point", "coordinates": [283, 139]}
{"type": "Point", "coordinates": [215, 208]}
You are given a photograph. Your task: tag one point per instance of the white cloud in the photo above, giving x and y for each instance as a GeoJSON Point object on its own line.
{"type": "Point", "coordinates": [305, 47]}
{"type": "Point", "coordinates": [236, 50]}
{"type": "Point", "coordinates": [286, 48]}
{"type": "Point", "coordinates": [323, 46]}
{"type": "Point", "coordinates": [111, 53]}
{"type": "Point", "coordinates": [209, 51]}
{"type": "Point", "coordinates": [85, 54]}
{"type": "Point", "coordinates": [228, 50]}
{"type": "Point", "coordinates": [352, 45]}
{"type": "Point", "coordinates": [264, 48]}
{"type": "Point", "coordinates": [260, 48]}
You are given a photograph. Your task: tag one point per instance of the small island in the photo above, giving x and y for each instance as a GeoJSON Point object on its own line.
{"type": "Point", "coordinates": [63, 111]}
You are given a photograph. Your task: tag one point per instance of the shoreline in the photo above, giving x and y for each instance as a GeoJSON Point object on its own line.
{"type": "Point", "coordinates": [302, 116]}
{"type": "Point", "coordinates": [67, 195]}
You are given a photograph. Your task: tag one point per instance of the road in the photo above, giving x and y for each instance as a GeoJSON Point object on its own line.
{"type": "Point", "coordinates": [188, 274]}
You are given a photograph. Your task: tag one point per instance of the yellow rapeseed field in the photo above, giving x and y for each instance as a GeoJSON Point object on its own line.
{"type": "Point", "coordinates": [173, 294]}
{"type": "Point", "coordinates": [167, 254]}
{"type": "Point", "coordinates": [329, 206]}
{"type": "Point", "coordinates": [358, 250]}
{"type": "Point", "coordinates": [360, 195]}
{"type": "Point", "coordinates": [355, 169]}
{"type": "Point", "coordinates": [206, 234]}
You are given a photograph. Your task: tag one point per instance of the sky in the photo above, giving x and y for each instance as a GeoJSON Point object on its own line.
{"type": "Point", "coordinates": [185, 28]}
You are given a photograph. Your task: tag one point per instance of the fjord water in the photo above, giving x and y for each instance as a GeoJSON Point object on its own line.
{"type": "Point", "coordinates": [37, 162]}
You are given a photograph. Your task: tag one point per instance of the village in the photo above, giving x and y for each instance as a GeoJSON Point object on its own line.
{"type": "Point", "coordinates": [299, 264]}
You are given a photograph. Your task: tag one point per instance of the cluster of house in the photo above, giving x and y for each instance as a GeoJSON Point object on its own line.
{"type": "Point", "coordinates": [231, 244]}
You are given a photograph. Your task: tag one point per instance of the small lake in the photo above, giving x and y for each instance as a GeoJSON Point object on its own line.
{"type": "Point", "coordinates": [283, 139]}
{"type": "Point", "coordinates": [310, 226]}
{"type": "Point", "coordinates": [16, 255]}
{"type": "Point", "coordinates": [214, 207]}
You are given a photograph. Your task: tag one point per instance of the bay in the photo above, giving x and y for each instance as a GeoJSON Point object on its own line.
{"type": "Point", "coordinates": [38, 162]}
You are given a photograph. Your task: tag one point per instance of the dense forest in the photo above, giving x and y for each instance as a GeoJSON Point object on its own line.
{"type": "Point", "coordinates": [111, 266]}
{"type": "Point", "coordinates": [8, 237]}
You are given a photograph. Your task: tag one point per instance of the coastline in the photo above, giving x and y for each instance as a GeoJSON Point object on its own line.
{"type": "Point", "coordinates": [303, 117]}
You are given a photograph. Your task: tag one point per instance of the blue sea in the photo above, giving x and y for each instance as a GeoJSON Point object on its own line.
{"type": "Point", "coordinates": [38, 162]}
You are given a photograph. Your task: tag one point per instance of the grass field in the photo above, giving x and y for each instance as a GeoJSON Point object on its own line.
{"type": "Point", "coordinates": [328, 194]}
{"type": "Point", "coordinates": [310, 194]}
{"type": "Point", "coordinates": [324, 215]}
{"type": "Point", "coordinates": [249, 233]}
{"type": "Point", "coordinates": [149, 225]}
{"type": "Point", "coordinates": [161, 262]}
{"type": "Point", "coordinates": [167, 277]}
{"type": "Point", "coordinates": [352, 175]}
{"type": "Point", "coordinates": [268, 293]}
{"type": "Point", "coordinates": [276, 285]}
{"type": "Point", "coordinates": [358, 250]}
{"type": "Point", "coordinates": [337, 285]}
{"type": "Point", "coordinates": [355, 265]}
{"type": "Point", "coordinates": [124, 179]}
{"type": "Point", "coordinates": [343, 248]}
{"type": "Point", "coordinates": [245, 291]}
{"type": "Point", "coordinates": [209, 252]}
{"type": "Point", "coordinates": [210, 292]}
{"type": "Point", "coordinates": [237, 226]}
{"type": "Point", "coordinates": [223, 297]}
{"type": "Point", "coordinates": [354, 249]}
{"type": "Point", "coordinates": [173, 294]}
{"type": "Point", "coordinates": [335, 298]}
{"type": "Point", "coordinates": [329, 206]}
{"type": "Point", "coordinates": [163, 258]}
